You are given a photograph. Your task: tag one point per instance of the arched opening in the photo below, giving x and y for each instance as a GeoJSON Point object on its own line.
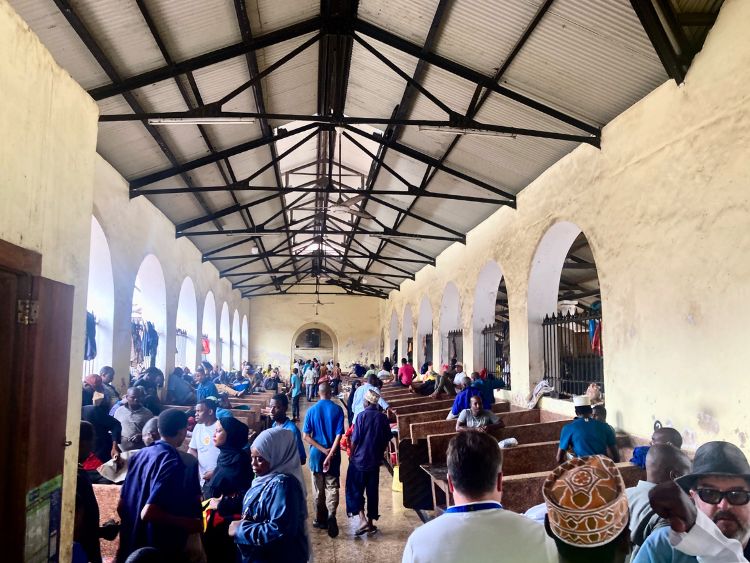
{"type": "Point", "coordinates": [565, 314]}
{"type": "Point", "coordinates": [314, 340]}
{"type": "Point", "coordinates": [451, 329]}
{"type": "Point", "coordinates": [187, 326]}
{"type": "Point", "coordinates": [491, 323]}
{"type": "Point", "coordinates": [100, 303]}
{"type": "Point", "coordinates": [424, 331]}
{"type": "Point", "coordinates": [149, 317]}
{"type": "Point", "coordinates": [408, 334]}
{"type": "Point", "coordinates": [224, 338]}
{"type": "Point", "coordinates": [208, 330]}
{"type": "Point", "coordinates": [235, 340]}
{"type": "Point", "coordinates": [243, 351]}
{"type": "Point", "coordinates": [393, 338]}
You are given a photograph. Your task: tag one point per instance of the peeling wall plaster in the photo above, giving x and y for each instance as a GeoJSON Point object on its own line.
{"type": "Point", "coordinates": [665, 206]}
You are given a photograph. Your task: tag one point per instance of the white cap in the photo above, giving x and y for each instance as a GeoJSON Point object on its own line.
{"type": "Point", "coordinates": [581, 401]}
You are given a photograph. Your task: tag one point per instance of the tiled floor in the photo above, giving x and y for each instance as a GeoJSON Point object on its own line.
{"type": "Point", "coordinates": [395, 525]}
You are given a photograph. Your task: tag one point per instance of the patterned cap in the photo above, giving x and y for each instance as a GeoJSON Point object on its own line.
{"type": "Point", "coordinates": [586, 501]}
{"type": "Point", "coordinates": [372, 397]}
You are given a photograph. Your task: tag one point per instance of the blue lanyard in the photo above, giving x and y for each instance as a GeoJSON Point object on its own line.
{"type": "Point", "coordinates": [475, 507]}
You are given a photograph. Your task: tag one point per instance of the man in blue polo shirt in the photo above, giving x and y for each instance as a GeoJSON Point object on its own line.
{"type": "Point", "coordinates": [323, 429]}
{"type": "Point", "coordinates": [586, 435]}
{"type": "Point", "coordinates": [279, 404]}
{"type": "Point", "coordinates": [463, 399]}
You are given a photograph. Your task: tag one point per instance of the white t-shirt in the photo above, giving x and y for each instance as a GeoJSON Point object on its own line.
{"type": "Point", "coordinates": [458, 379]}
{"type": "Point", "coordinates": [203, 441]}
{"type": "Point", "coordinates": [484, 536]}
{"type": "Point", "coordinates": [310, 376]}
{"type": "Point", "coordinates": [384, 374]}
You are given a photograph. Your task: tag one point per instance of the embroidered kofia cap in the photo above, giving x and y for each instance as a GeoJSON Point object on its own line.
{"type": "Point", "coordinates": [586, 501]}
{"type": "Point", "coordinates": [581, 401]}
{"type": "Point", "coordinates": [372, 397]}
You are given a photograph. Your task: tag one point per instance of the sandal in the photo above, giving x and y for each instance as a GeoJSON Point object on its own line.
{"type": "Point", "coordinates": [372, 530]}
{"type": "Point", "coordinates": [362, 530]}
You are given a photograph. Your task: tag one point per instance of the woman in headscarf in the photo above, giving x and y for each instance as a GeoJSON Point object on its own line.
{"type": "Point", "coordinates": [274, 512]}
{"type": "Point", "coordinates": [225, 489]}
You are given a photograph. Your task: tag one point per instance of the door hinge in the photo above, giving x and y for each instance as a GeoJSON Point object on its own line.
{"type": "Point", "coordinates": [27, 311]}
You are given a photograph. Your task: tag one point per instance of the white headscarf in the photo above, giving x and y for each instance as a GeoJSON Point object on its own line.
{"type": "Point", "coordinates": [278, 446]}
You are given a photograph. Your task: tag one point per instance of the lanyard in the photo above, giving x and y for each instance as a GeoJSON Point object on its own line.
{"type": "Point", "coordinates": [475, 507]}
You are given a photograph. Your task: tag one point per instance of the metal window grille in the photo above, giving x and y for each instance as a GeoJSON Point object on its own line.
{"type": "Point", "coordinates": [456, 345]}
{"type": "Point", "coordinates": [497, 351]}
{"type": "Point", "coordinates": [427, 348]}
{"type": "Point", "coordinates": [573, 352]}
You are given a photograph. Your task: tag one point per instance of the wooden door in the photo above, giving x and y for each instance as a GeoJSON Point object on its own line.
{"type": "Point", "coordinates": [35, 332]}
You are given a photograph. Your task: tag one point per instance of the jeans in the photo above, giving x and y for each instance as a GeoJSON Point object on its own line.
{"type": "Point", "coordinates": [359, 483]}
{"type": "Point", "coordinates": [326, 494]}
{"type": "Point", "coordinates": [295, 406]}
{"type": "Point", "coordinates": [310, 392]}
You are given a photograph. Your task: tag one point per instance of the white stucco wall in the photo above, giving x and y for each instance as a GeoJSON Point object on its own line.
{"type": "Point", "coordinates": [46, 182]}
{"type": "Point", "coordinates": [665, 205]}
{"type": "Point", "coordinates": [134, 229]}
{"type": "Point", "coordinates": [276, 320]}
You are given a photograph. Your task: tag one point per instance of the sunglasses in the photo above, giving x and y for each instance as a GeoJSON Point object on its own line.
{"type": "Point", "coordinates": [714, 496]}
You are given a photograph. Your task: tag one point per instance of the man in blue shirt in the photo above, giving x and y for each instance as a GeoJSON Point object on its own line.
{"type": "Point", "coordinates": [488, 398]}
{"type": "Point", "coordinates": [358, 403]}
{"type": "Point", "coordinates": [463, 399]}
{"type": "Point", "coordinates": [296, 384]}
{"type": "Point", "coordinates": [158, 506]}
{"type": "Point", "coordinates": [206, 387]}
{"type": "Point", "coordinates": [323, 429]}
{"type": "Point", "coordinates": [279, 405]}
{"type": "Point", "coordinates": [586, 435]}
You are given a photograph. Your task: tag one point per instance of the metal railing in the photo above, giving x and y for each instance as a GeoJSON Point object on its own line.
{"type": "Point", "coordinates": [496, 351]}
{"type": "Point", "coordinates": [573, 352]}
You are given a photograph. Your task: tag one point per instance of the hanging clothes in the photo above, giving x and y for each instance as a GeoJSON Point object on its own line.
{"type": "Point", "coordinates": [205, 346]}
{"type": "Point", "coordinates": [89, 352]}
{"type": "Point", "coordinates": [150, 340]}
{"type": "Point", "coordinates": [136, 335]}
{"type": "Point", "coordinates": [596, 343]}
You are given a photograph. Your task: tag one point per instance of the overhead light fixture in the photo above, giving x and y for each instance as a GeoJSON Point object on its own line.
{"type": "Point", "coordinates": [386, 236]}
{"type": "Point", "coordinates": [254, 250]}
{"type": "Point", "coordinates": [364, 280]}
{"type": "Point", "coordinates": [247, 234]}
{"type": "Point", "coordinates": [447, 130]}
{"type": "Point", "coordinates": [215, 120]}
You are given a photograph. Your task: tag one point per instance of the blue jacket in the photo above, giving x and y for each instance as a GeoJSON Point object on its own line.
{"type": "Point", "coordinates": [273, 524]}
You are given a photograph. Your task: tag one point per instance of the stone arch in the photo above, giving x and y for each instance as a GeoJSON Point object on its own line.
{"type": "Point", "coordinates": [244, 340]}
{"type": "Point", "coordinates": [236, 340]}
{"type": "Point", "coordinates": [301, 352]}
{"type": "Point", "coordinates": [187, 338]}
{"type": "Point", "coordinates": [208, 328]}
{"type": "Point", "coordinates": [407, 334]}
{"type": "Point", "coordinates": [425, 346]}
{"type": "Point", "coordinates": [483, 312]}
{"type": "Point", "coordinates": [100, 298]}
{"type": "Point", "coordinates": [393, 338]}
{"type": "Point", "coordinates": [150, 304]}
{"type": "Point", "coordinates": [225, 338]}
{"type": "Point", "coordinates": [547, 293]}
{"type": "Point", "coordinates": [450, 320]}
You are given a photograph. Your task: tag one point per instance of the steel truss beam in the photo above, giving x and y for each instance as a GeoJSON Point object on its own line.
{"type": "Point", "coordinates": [220, 55]}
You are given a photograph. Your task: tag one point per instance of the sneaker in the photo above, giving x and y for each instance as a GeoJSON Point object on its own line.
{"type": "Point", "coordinates": [333, 527]}
{"type": "Point", "coordinates": [320, 525]}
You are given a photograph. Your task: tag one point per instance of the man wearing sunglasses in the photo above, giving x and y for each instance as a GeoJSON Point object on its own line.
{"type": "Point", "coordinates": [715, 526]}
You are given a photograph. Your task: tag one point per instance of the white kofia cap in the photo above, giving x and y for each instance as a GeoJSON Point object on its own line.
{"type": "Point", "coordinates": [581, 401]}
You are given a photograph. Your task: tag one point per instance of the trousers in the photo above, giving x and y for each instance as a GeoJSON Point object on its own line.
{"type": "Point", "coordinates": [326, 494]}
{"type": "Point", "coordinates": [295, 406]}
{"type": "Point", "coordinates": [359, 483]}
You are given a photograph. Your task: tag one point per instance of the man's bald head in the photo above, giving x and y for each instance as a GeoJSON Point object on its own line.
{"type": "Point", "coordinates": [324, 391]}
{"type": "Point", "coordinates": [666, 435]}
{"type": "Point", "coordinates": [664, 462]}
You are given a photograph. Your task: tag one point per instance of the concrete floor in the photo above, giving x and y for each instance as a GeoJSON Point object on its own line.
{"type": "Point", "coordinates": [395, 524]}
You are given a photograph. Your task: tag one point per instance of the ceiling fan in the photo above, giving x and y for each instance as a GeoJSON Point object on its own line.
{"type": "Point", "coordinates": [318, 302]}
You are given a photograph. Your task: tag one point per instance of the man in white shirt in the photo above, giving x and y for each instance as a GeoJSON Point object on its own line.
{"type": "Point", "coordinates": [384, 375]}
{"type": "Point", "coordinates": [310, 378]}
{"type": "Point", "coordinates": [202, 441]}
{"type": "Point", "coordinates": [477, 528]}
{"type": "Point", "coordinates": [358, 403]}
{"type": "Point", "coordinates": [459, 377]}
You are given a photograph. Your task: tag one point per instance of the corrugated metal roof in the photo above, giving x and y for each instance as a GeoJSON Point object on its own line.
{"type": "Point", "coordinates": [587, 58]}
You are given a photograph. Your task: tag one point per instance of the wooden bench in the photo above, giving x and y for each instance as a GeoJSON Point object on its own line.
{"type": "Point", "coordinates": [437, 444]}
{"type": "Point", "coordinates": [421, 429]}
{"type": "Point", "coordinates": [423, 420]}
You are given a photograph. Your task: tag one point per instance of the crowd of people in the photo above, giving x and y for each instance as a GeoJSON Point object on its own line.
{"type": "Point", "coordinates": [221, 494]}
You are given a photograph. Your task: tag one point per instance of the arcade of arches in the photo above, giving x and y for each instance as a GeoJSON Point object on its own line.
{"type": "Point", "coordinates": [647, 239]}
